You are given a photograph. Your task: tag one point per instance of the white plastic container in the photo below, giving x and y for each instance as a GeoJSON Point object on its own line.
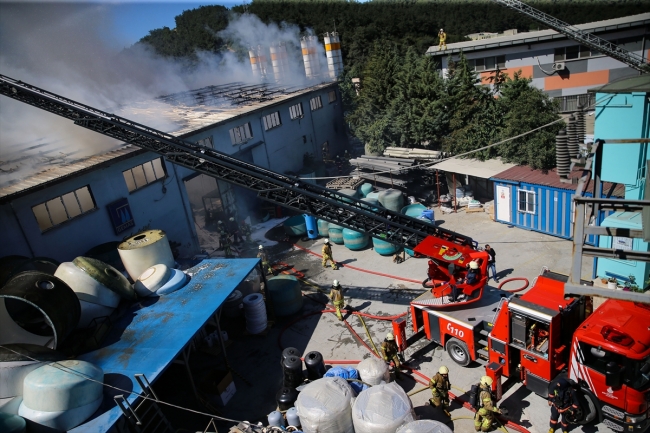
{"type": "Point", "coordinates": [424, 426]}
{"type": "Point", "coordinates": [152, 279]}
{"type": "Point", "coordinates": [373, 371]}
{"type": "Point", "coordinates": [145, 250]}
{"type": "Point", "coordinates": [324, 406]}
{"type": "Point", "coordinates": [382, 409]}
{"type": "Point", "coordinates": [255, 313]}
{"type": "Point", "coordinates": [62, 420]}
{"type": "Point", "coordinates": [85, 287]}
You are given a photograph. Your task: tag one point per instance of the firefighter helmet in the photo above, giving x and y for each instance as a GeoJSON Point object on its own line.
{"type": "Point", "coordinates": [473, 265]}
{"type": "Point", "coordinates": [335, 283]}
{"type": "Point", "coordinates": [389, 337]}
{"type": "Point", "coordinates": [232, 219]}
{"type": "Point", "coordinates": [443, 370]}
{"type": "Point", "coordinates": [261, 247]}
{"type": "Point", "coordinates": [327, 241]}
{"type": "Point", "coordinates": [486, 381]}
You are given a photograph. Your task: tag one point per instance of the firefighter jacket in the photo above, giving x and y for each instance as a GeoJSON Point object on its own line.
{"type": "Point", "coordinates": [440, 384]}
{"type": "Point", "coordinates": [327, 250]}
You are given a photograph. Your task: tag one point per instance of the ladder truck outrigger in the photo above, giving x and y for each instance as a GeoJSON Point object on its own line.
{"type": "Point", "coordinates": [536, 337]}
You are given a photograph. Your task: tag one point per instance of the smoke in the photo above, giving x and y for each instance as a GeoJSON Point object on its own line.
{"type": "Point", "coordinates": [68, 49]}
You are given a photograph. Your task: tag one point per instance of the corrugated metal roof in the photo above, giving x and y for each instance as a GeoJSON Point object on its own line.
{"type": "Point", "coordinates": [540, 36]}
{"type": "Point", "coordinates": [523, 173]}
{"type": "Point", "coordinates": [61, 172]}
{"type": "Point", "coordinates": [473, 167]}
{"type": "Point", "coordinates": [639, 83]}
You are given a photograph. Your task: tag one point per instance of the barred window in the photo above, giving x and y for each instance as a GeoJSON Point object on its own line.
{"type": "Point", "coordinates": [241, 134]}
{"type": "Point", "coordinates": [271, 120]}
{"type": "Point", "coordinates": [63, 208]}
{"type": "Point", "coordinates": [332, 96]}
{"type": "Point", "coordinates": [144, 174]}
{"type": "Point", "coordinates": [295, 111]}
{"type": "Point", "coordinates": [315, 103]}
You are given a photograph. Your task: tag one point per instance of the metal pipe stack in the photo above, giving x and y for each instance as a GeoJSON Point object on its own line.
{"type": "Point", "coordinates": [309, 56]}
{"type": "Point", "coordinates": [280, 62]}
{"type": "Point", "coordinates": [573, 144]}
{"type": "Point", "coordinates": [563, 160]}
{"type": "Point", "coordinates": [334, 57]}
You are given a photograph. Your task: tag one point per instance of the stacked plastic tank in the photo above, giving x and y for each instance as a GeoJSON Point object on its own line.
{"type": "Point", "coordinates": [365, 189]}
{"type": "Point", "coordinates": [324, 406]}
{"type": "Point", "coordinates": [382, 409]}
{"type": "Point", "coordinates": [392, 199]}
{"type": "Point", "coordinates": [323, 228]}
{"type": "Point", "coordinates": [354, 240]}
{"type": "Point", "coordinates": [285, 294]}
{"type": "Point", "coordinates": [424, 426]}
{"type": "Point", "coordinates": [373, 371]}
{"type": "Point", "coordinates": [335, 232]}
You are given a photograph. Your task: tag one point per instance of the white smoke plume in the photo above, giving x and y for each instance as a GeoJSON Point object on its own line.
{"type": "Point", "coordinates": [67, 48]}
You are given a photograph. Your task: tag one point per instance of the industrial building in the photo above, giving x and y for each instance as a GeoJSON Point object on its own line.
{"type": "Point", "coordinates": [556, 64]}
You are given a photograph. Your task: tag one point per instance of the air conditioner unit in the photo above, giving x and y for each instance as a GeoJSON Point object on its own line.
{"type": "Point", "coordinates": [559, 66]}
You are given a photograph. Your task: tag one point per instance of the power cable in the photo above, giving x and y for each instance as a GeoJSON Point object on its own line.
{"type": "Point", "coordinates": [61, 367]}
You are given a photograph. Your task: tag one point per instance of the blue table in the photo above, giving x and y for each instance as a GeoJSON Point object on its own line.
{"type": "Point", "coordinates": [155, 330]}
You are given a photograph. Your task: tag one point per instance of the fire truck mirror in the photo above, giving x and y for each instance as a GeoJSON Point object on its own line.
{"type": "Point", "coordinates": [614, 375]}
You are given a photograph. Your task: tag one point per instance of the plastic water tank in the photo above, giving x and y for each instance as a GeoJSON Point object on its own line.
{"type": "Point", "coordinates": [384, 248]}
{"type": "Point", "coordinates": [86, 287]}
{"type": "Point", "coordinates": [292, 372]}
{"type": "Point", "coordinates": [255, 313]}
{"type": "Point", "coordinates": [12, 423]}
{"type": "Point", "coordinates": [373, 371]}
{"type": "Point", "coordinates": [381, 409]}
{"type": "Point", "coordinates": [413, 210]}
{"type": "Point", "coordinates": [315, 365]}
{"type": "Point", "coordinates": [311, 226]}
{"type": "Point", "coordinates": [372, 203]}
{"type": "Point", "coordinates": [151, 280]}
{"type": "Point", "coordinates": [177, 280]}
{"type": "Point", "coordinates": [365, 189]}
{"type": "Point", "coordinates": [345, 194]}
{"type": "Point", "coordinates": [335, 233]}
{"type": "Point", "coordinates": [424, 426]}
{"type": "Point", "coordinates": [292, 417]}
{"type": "Point", "coordinates": [392, 199]}
{"type": "Point", "coordinates": [276, 419]}
{"type": "Point", "coordinates": [323, 228]}
{"type": "Point", "coordinates": [145, 250]}
{"type": "Point", "coordinates": [285, 294]}
{"type": "Point", "coordinates": [373, 195]}
{"type": "Point", "coordinates": [17, 361]}
{"type": "Point", "coordinates": [286, 397]}
{"type": "Point", "coordinates": [295, 226]}
{"type": "Point", "coordinates": [354, 240]}
{"type": "Point", "coordinates": [324, 406]}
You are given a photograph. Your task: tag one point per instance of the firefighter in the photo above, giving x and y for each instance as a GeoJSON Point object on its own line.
{"type": "Point", "coordinates": [563, 401]}
{"type": "Point", "coordinates": [261, 254]}
{"type": "Point", "coordinates": [226, 243]}
{"type": "Point", "coordinates": [443, 38]}
{"type": "Point", "coordinates": [327, 254]}
{"type": "Point", "coordinates": [222, 235]}
{"type": "Point", "coordinates": [389, 352]}
{"type": "Point", "coordinates": [233, 229]}
{"type": "Point", "coordinates": [245, 230]}
{"type": "Point", "coordinates": [440, 386]}
{"type": "Point", "coordinates": [484, 417]}
{"type": "Point", "coordinates": [336, 295]}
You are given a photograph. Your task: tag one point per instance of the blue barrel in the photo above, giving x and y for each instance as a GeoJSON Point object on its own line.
{"type": "Point", "coordinates": [413, 210]}
{"type": "Point", "coordinates": [392, 199]}
{"type": "Point", "coordinates": [428, 214]}
{"type": "Point", "coordinates": [384, 248]}
{"type": "Point", "coordinates": [295, 226]}
{"type": "Point", "coordinates": [335, 233]}
{"type": "Point", "coordinates": [354, 240]}
{"type": "Point", "coordinates": [285, 294]}
{"type": "Point", "coordinates": [323, 228]}
{"type": "Point", "coordinates": [311, 226]}
{"type": "Point", "coordinates": [365, 189]}
{"type": "Point", "coordinates": [409, 251]}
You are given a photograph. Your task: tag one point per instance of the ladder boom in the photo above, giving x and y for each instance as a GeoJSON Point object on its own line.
{"type": "Point", "coordinates": [284, 190]}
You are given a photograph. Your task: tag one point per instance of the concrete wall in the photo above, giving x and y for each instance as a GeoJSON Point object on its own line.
{"type": "Point", "coordinates": [150, 206]}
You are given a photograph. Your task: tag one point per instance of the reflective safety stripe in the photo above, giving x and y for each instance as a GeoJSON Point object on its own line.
{"type": "Point", "coordinates": [333, 46]}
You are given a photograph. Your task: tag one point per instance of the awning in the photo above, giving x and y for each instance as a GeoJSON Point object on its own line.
{"type": "Point", "coordinates": [473, 167]}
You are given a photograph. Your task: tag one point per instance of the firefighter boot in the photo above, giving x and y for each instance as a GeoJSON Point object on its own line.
{"type": "Point", "coordinates": [551, 430]}
{"type": "Point", "coordinates": [446, 412]}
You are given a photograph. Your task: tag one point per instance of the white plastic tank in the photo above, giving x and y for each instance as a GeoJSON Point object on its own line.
{"type": "Point", "coordinates": [382, 409]}
{"type": "Point", "coordinates": [61, 396]}
{"type": "Point", "coordinates": [424, 426]}
{"type": "Point", "coordinates": [152, 279]}
{"type": "Point", "coordinates": [145, 250]}
{"type": "Point", "coordinates": [373, 371]}
{"type": "Point", "coordinates": [324, 406]}
{"type": "Point", "coordinates": [255, 313]}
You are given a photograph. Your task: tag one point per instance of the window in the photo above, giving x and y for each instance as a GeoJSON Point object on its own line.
{"type": "Point", "coordinates": [526, 202]}
{"type": "Point", "coordinates": [315, 103]}
{"type": "Point", "coordinates": [572, 53]}
{"type": "Point", "coordinates": [295, 111]}
{"type": "Point", "coordinates": [143, 175]}
{"type": "Point", "coordinates": [488, 63]}
{"type": "Point", "coordinates": [241, 134]}
{"type": "Point", "coordinates": [331, 96]}
{"type": "Point", "coordinates": [60, 209]}
{"type": "Point", "coordinates": [206, 142]}
{"type": "Point", "coordinates": [272, 120]}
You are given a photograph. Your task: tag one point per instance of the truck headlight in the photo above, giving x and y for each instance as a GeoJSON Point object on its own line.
{"type": "Point", "coordinates": [633, 419]}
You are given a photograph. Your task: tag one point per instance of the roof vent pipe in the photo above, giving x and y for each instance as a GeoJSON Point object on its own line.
{"type": "Point", "coordinates": [309, 57]}
{"type": "Point", "coordinates": [334, 58]}
{"type": "Point", "coordinates": [255, 65]}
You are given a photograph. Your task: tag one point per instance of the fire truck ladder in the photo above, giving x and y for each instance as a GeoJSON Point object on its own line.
{"type": "Point", "coordinates": [588, 39]}
{"type": "Point", "coordinates": [283, 190]}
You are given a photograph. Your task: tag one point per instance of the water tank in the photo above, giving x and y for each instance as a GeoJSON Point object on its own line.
{"type": "Point", "coordinates": [292, 372]}
{"type": "Point", "coordinates": [373, 371]}
{"type": "Point", "coordinates": [345, 193]}
{"type": "Point", "coordinates": [381, 409]}
{"type": "Point", "coordinates": [392, 199]}
{"type": "Point", "coordinates": [413, 210]}
{"type": "Point", "coordinates": [373, 195]}
{"type": "Point", "coordinates": [177, 280]}
{"type": "Point", "coordinates": [323, 228]}
{"type": "Point", "coordinates": [315, 365]}
{"type": "Point", "coordinates": [145, 250]}
{"type": "Point", "coordinates": [354, 240]}
{"type": "Point", "coordinates": [255, 313]}
{"type": "Point", "coordinates": [311, 226]}
{"type": "Point", "coordinates": [12, 423]}
{"type": "Point", "coordinates": [17, 361]}
{"type": "Point", "coordinates": [372, 203]}
{"type": "Point", "coordinates": [286, 397]}
{"type": "Point", "coordinates": [335, 233]}
{"type": "Point", "coordinates": [285, 294]}
{"type": "Point", "coordinates": [424, 426]}
{"type": "Point", "coordinates": [324, 406]}
{"type": "Point", "coordinates": [365, 189]}
{"type": "Point", "coordinates": [275, 419]}
{"type": "Point", "coordinates": [292, 417]}
{"type": "Point", "coordinates": [384, 248]}
{"type": "Point", "coordinates": [295, 226]}
{"type": "Point", "coordinates": [151, 280]}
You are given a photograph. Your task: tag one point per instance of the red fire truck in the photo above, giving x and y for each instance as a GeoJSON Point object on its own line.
{"type": "Point", "coordinates": [539, 336]}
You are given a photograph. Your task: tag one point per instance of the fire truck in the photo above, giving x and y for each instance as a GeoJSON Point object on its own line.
{"type": "Point", "coordinates": [540, 336]}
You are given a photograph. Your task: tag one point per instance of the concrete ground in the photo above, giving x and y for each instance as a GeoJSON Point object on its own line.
{"type": "Point", "coordinates": [256, 359]}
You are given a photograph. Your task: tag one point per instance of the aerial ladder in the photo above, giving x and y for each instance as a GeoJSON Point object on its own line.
{"type": "Point", "coordinates": [588, 39]}
{"type": "Point", "coordinates": [284, 190]}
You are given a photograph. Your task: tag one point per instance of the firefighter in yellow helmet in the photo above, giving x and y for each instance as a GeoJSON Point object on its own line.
{"type": "Point", "coordinates": [485, 417]}
{"type": "Point", "coordinates": [389, 352]}
{"type": "Point", "coordinates": [443, 38]}
{"type": "Point", "coordinates": [440, 386]}
{"type": "Point", "coordinates": [327, 254]}
{"type": "Point", "coordinates": [261, 254]}
{"type": "Point", "coordinates": [336, 295]}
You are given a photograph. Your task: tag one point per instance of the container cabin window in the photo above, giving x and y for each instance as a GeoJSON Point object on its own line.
{"type": "Point", "coordinates": [331, 96]}
{"type": "Point", "coordinates": [488, 63]}
{"type": "Point", "coordinates": [295, 111]}
{"type": "Point", "coordinates": [206, 142]}
{"type": "Point", "coordinates": [241, 134]}
{"type": "Point", "coordinates": [63, 208]}
{"type": "Point", "coordinates": [315, 103]}
{"type": "Point", "coordinates": [526, 201]}
{"type": "Point", "coordinates": [272, 120]}
{"type": "Point", "coordinates": [142, 175]}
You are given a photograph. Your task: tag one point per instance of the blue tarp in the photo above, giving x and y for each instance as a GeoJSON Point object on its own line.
{"type": "Point", "coordinates": [347, 373]}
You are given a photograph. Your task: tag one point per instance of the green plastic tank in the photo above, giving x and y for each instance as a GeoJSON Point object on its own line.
{"type": "Point", "coordinates": [323, 228]}
{"type": "Point", "coordinates": [295, 226]}
{"type": "Point", "coordinates": [384, 248]}
{"type": "Point", "coordinates": [365, 189]}
{"type": "Point", "coordinates": [335, 233]}
{"type": "Point", "coordinates": [354, 240]}
{"type": "Point", "coordinates": [285, 294]}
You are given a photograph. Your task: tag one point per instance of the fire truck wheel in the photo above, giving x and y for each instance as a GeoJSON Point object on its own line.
{"type": "Point", "coordinates": [589, 407]}
{"type": "Point", "coordinates": [458, 352]}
